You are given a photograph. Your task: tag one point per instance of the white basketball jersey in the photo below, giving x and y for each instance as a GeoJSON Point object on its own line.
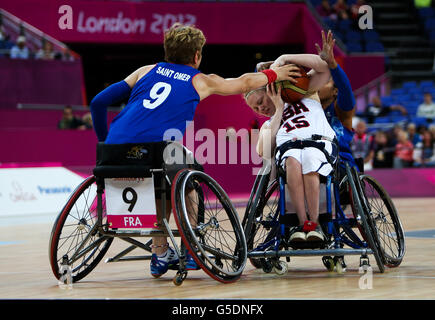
{"type": "Point", "coordinates": [301, 120]}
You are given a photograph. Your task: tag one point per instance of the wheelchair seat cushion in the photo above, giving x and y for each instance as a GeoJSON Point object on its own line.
{"type": "Point", "coordinates": [143, 154]}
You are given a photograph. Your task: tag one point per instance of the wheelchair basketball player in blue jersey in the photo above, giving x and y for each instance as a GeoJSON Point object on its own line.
{"type": "Point", "coordinates": [164, 97]}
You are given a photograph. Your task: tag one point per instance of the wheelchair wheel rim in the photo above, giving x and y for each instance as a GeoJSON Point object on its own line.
{"type": "Point", "coordinates": [197, 249]}
{"type": "Point", "coordinates": [365, 225]}
{"type": "Point", "coordinates": [60, 236]}
{"type": "Point", "coordinates": [386, 221]}
{"type": "Point", "coordinates": [269, 211]}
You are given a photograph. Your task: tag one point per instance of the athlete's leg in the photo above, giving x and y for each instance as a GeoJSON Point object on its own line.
{"type": "Point", "coordinates": [295, 184]}
{"type": "Point", "coordinates": [160, 243]}
{"type": "Point", "coordinates": [312, 194]}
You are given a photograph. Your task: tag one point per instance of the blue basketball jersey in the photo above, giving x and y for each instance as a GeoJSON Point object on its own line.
{"type": "Point", "coordinates": [161, 100]}
{"type": "Point", "coordinates": [344, 135]}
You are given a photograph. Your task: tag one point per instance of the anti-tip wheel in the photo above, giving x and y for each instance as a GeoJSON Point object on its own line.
{"type": "Point", "coordinates": [340, 266]}
{"type": "Point", "coordinates": [179, 278]}
{"type": "Point", "coordinates": [328, 262]}
{"type": "Point", "coordinates": [281, 268]}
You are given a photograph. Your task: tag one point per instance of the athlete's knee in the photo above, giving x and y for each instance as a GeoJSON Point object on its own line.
{"type": "Point", "coordinates": [292, 164]}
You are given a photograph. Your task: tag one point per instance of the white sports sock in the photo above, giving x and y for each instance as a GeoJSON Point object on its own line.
{"type": "Point", "coordinates": [168, 255]}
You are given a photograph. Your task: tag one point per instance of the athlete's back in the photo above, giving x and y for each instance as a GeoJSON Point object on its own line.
{"type": "Point", "coordinates": [162, 99]}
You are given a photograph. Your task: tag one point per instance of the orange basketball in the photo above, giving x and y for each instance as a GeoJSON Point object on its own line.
{"type": "Point", "coordinates": [292, 92]}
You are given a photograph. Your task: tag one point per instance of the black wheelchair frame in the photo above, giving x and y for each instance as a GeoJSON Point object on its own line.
{"type": "Point", "coordinates": [275, 223]}
{"type": "Point", "coordinates": [89, 235]}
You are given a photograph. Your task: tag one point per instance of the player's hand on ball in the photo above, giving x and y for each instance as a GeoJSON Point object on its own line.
{"type": "Point", "coordinates": [273, 90]}
{"type": "Point", "coordinates": [287, 72]}
{"type": "Point", "coordinates": [326, 53]}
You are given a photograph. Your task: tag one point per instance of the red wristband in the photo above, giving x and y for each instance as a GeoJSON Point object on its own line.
{"type": "Point", "coordinates": [271, 75]}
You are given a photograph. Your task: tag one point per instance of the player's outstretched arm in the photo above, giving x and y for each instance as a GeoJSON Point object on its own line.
{"type": "Point", "coordinates": [345, 98]}
{"type": "Point", "coordinates": [110, 96]}
{"type": "Point", "coordinates": [207, 85]}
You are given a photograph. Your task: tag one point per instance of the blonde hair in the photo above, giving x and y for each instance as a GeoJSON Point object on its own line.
{"type": "Point", "coordinates": [247, 94]}
{"type": "Point", "coordinates": [182, 42]}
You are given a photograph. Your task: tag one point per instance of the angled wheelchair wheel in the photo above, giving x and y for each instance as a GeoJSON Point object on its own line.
{"type": "Point", "coordinates": [364, 221]}
{"type": "Point", "coordinates": [75, 233]}
{"type": "Point", "coordinates": [262, 225]}
{"type": "Point", "coordinates": [216, 240]}
{"type": "Point", "coordinates": [385, 219]}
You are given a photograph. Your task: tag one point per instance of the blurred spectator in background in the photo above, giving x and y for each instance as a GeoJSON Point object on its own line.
{"type": "Point", "coordinates": [86, 121]}
{"type": "Point", "coordinates": [377, 109]}
{"type": "Point", "coordinates": [427, 108]}
{"type": "Point", "coordinates": [361, 144]}
{"type": "Point", "coordinates": [382, 151]}
{"type": "Point", "coordinates": [5, 43]}
{"type": "Point", "coordinates": [403, 156]}
{"type": "Point", "coordinates": [46, 52]}
{"type": "Point", "coordinates": [422, 3]}
{"type": "Point", "coordinates": [69, 121]}
{"type": "Point", "coordinates": [325, 10]}
{"type": "Point", "coordinates": [67, 56]}
{"type": "Point", "coordinates": [341, 9]}
{"type": "Point", "coordinates": [355, 8]}
{"type": "Point", "coordinates": [414, 137]}
{"type": "Point", "coordinates": [20, 50]}
{"type": "Point", "coordinates": [432, 129]}
{"type": "Point", "coordinates": [424, 155]}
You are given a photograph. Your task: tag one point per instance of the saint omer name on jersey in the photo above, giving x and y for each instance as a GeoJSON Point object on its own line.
{"type": "Point", "coordinates": [172, 74]}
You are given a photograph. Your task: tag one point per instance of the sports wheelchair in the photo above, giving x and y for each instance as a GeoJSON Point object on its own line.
{"type": "Point", "coordinates": [267, 222]}
{"type": "Point", "coordinates": [118, 201]}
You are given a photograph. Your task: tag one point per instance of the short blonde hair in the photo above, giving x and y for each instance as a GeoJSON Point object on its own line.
{"type": "Point", "coordinates": [182, 42]}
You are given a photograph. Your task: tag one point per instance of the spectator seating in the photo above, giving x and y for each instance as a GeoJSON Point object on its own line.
{"type": "Point", "coordinates": [409, 95]}
{"type": "Point", "coordinates": [427, 17]}
{"type": "Point", "coordinates": [356, 40]}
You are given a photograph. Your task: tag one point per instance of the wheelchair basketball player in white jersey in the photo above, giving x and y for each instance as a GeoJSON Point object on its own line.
{"type": "Point", "coordinates": [305, 143]}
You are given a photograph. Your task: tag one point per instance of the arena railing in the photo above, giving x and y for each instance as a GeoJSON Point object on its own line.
{"type": "Point", "coordinates": [381, 86]}
{"type": "Point", "coordinates": [35, 38]}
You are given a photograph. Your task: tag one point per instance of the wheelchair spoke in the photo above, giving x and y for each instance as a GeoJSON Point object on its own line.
{"type": "Point", "coordinates": [76, 227]}
{"type": "Point", "coordinates": [209, 223]}
{"type": "Point", "coordinates": [385, 219]}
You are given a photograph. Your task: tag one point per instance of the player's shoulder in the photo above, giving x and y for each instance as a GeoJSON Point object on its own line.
{"type": "Point", "coordinates": [205, 78]}
{"type": "Point", "coordinates": [134, 77]}
{"type": "Point", "coordinates": [202, 83]}
{"type": "Point", "coordinates": [144, 70]}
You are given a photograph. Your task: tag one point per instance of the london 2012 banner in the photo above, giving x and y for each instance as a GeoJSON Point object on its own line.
{"type": "Point", "coordinates": [145, 22]}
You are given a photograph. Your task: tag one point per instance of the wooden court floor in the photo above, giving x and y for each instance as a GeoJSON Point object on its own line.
{"type": "Point", "coordinates": [25, 272]}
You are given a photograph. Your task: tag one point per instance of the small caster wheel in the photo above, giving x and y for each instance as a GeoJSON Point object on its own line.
{"type": "Point", "coordinates": [179, 278]}
{"type": "Point", "coordinates": [156, 275]}
{"type": "Point", "coordinates": [340, 265]}
{"type": "Point", "coordinates": [364, 263]}
{"type": "Point", "coordinates": [178, 281]}
{"type": "Point", "coordinates": [339, 268]}
{"type": "Point", "coordinates": [281, 268]}
{"type": "Point", "coordinates": [266, 266]}
{"type": "Point", "coordinates": [328, 262]}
